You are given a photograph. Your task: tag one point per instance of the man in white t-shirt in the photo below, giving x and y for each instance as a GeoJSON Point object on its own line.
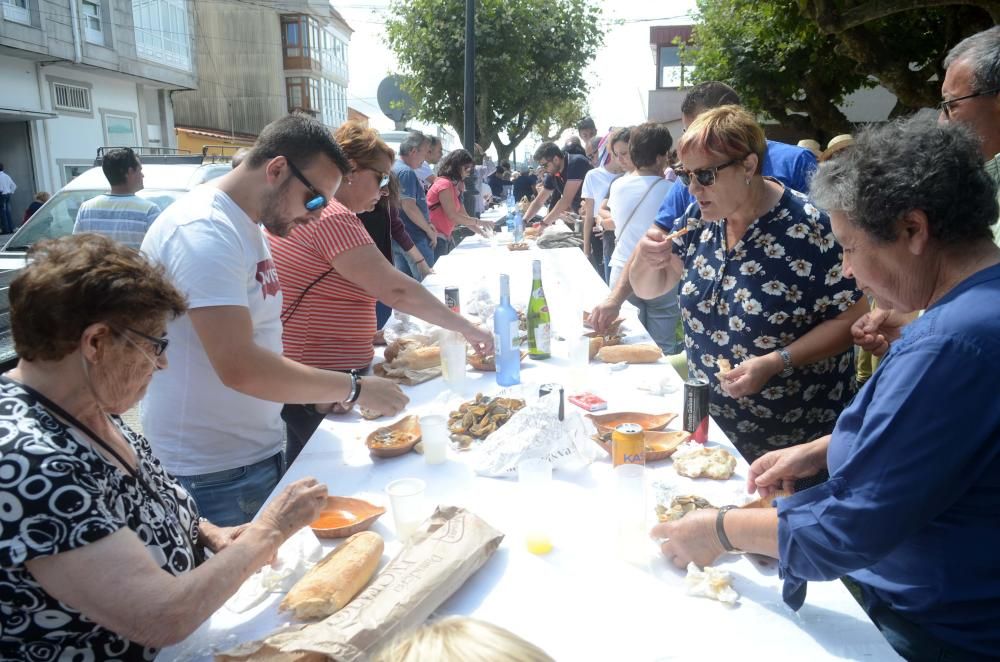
{"type": "Point", "coordinates": [213, 418]}
{"type": "Point", "coordinates": [596, 184]}
{"type": "Point", "coordinates": [432, 154]}
{"type": "Point", "coordinates": [634, 201]}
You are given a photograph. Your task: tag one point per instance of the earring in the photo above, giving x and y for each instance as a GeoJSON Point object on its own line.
{"type": "Point", "coordinates": [748, 181]}
{"type": "Point", "coordinates": [350, 181]}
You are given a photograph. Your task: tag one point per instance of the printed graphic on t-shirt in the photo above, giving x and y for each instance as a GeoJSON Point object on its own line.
{"type": "Point", "coordinates": [267, 276]}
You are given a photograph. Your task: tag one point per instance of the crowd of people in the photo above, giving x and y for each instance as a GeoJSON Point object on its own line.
{"type": "Point", "coordinates": [263, 289]}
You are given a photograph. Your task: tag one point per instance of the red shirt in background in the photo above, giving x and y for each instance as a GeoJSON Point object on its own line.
{"type": "Point", "coordinates": [439, 219]}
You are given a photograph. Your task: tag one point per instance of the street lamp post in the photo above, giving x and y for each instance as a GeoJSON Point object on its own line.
{"type": "Point", "coordinates": [469, 137]}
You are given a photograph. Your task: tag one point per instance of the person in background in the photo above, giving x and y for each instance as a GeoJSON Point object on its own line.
{"type": "Point", "coordinates": [238, 157]}
{"type": "Point", "coordinates": [574, 145]}
{"type": "Point", "coordinates": [432, 156]}
{"type": "Point", "coordinates": [594, 192]}
{"type": "Point", "coordinates": [331, 275]}
{"type": "Point", "coordinates": [7, 188]}
{"type": "Point", "coordinates": [603, 220]}
{"type": "Point", "coordinates": [910, 510]}
{"type": "Point", "coordinates": [499, 180]}
{"type": "Point", "coordinates": [413, 205]}
{"type": "Point", "coordinates": [761, 286]}
{"type": "Point", "coordinates": [121, 214]}
{"type": "Point", "coordinates": [811, 145]}
{"type": "Point", "coordinates": [563, 184]}
{"type": "Point", "coordinates": [215, 419]}
{"type": "Point", "coordinates": [587, 129]}
{"type": "Point", "coordinates": [40, 199]}
{"type": "Point", "coordinates": [524, 185]}
{"type": "Point", "coordinates": [86, 504]}
{"type": "Point", "coordinates": [484, 168]}
{"type": "Point", "coordinates": [461, 639]}
{"type": "Point", "coordinates": [444, 203]}
{"type": "Point", "coordinates": [633, 201]}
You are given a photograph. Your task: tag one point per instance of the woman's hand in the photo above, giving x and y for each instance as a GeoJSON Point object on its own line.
{"type": "Point", "coordinates": [691, 538]}
{"type": "Point", "coordinates": [382, 395]}
{"type": "Point", "coordinates": [217, 538]}
{"type": "Point", "coordinates": [604, 314]}
{"type": "Point", "coordinates": [424, 269]}
{"type": "Point", "coordinates": [749, 377]}
{"type": "Point", "coordinates": [432, 235]}
{"type": "Point", "coordinates": [480, 339]}
{"type": "Point", "coordinates": [778, 470]}
{"type": "Point", "coordinates": [296, 506]}
{"type": "Point", "coordinates": [654, 251]}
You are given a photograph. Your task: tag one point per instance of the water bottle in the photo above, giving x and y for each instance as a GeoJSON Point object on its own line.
{"type": "Point", "coordinates": [506, 338]}
{"type": "Point", "coordinates": [518, 228]}
{"type": "Point", "coordinates": [511, 208]}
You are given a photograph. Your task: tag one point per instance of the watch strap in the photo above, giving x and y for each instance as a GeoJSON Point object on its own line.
{"type": "Point", "coordinates": [786, 361]}
{"type": "Point", "coordinates": [720, 530]}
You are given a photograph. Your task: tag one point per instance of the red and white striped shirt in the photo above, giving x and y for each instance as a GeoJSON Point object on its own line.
{"type": "Point", "coordinates": [334, 323]}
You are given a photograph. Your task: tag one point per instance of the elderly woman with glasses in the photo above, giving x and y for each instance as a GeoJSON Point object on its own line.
{"type": "Point", "coordinates": [912, 505]}
{"type": "Point", "coordinates": [761, 289]}
{"type": "Point", "coordinates": [331, 274]}
{"type": "Point", "coordinates": [101, 550]}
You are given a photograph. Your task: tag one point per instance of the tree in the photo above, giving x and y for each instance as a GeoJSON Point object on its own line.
{"type": "Point", "coordinates": [531, 56]}
{"type": "Point", "coordinates": [563, 115]}
{"type": "Point", "coordinates": [779, 62]}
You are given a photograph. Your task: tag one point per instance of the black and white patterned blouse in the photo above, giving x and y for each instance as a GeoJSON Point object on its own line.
{"type": "Point", "coordinates": [57, 494]}
{"type": "Point", "coordinates": [781, 280]}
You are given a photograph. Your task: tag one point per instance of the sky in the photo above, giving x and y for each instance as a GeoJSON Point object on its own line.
{"type": "Point", "coordinates": [620, 77]}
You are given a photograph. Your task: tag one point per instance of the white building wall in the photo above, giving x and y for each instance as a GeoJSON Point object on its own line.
{"type": "Point", "coordinates": [20, 86]}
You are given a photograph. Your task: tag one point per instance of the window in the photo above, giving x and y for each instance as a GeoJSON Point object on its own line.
{"type": "Point", "coordinates": [71, 170]}
{"type": "Point", "coordinates": [16, 10]}
{"type": "Point", "coordinates": [71, 97]}
{"type": "Point", "coordinates": [291, 36]}
{"type": "Point", "coordinates": [161, 32]}
{"type": "Point", "coordinates": [119, 130]}
{"type": "Point", "coordinates": [93, 30]}
{"type": "Point", "coordinates": [296, 93]}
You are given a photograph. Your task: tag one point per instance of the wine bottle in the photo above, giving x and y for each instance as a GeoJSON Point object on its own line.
{"type": "Point", "coordinates": [539, 324]}
{"type": "Point", "coordinates": [506, 334]}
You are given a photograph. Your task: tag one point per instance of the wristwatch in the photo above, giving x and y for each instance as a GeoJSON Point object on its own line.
{"type": "Point", "coordinates": [786, 360]}
{"type": "Point", "coordinates": [355, 388]}
{"type": "Point", "coordinates": [721, 531]}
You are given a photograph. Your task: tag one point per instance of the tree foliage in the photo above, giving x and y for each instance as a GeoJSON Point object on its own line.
{"type": "Point", "coordinates": [779, 62]}
{"type": "Point", "coordinates": [531, 56]}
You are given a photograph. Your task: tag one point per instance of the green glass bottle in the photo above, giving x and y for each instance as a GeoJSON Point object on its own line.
{"type": "Point", "coordinates": [539, 322]}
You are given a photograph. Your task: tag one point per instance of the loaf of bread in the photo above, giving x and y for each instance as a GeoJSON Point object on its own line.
{"type": "Point", "coordinates": [333, 582]}
{"type": "Point", "coordinates": [630, 353]}
{"type": "Point", "coordinates": [596, 343]}
{"type": "Point", "coordinates": [418, 359]}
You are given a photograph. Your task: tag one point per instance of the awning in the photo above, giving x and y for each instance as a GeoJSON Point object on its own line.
{"type": "Point", "coordinates": [24, 114]}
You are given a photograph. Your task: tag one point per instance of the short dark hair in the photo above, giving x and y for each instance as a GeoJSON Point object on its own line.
{"type": "Point", "coordinates": [451, 165]}
{"type": "Point", "coordinates": [411, 142]}
{"type": "Point", "coordinates": [586, 123]}
{"type": "Point", "coordinates": [548, 150]}
{"type": "Point", "coordinates": [300, 139]}
{"type": "Point", "coordinates": [649, 141]}
{"type": "Point", "coordinates": [623, 134]}
{"type": "Point", "coordinates": [433, 140]}
{"type": "Point", "coordinates": [78, 280]}
{"type": "Point", "coordinates": [906, 165]}
{"type": "Point", "coordinates": [708, 95]}
{"type": "Point", "coordinates": [117, 162]}
{"type": "Point", "coordinates": [239, 156]}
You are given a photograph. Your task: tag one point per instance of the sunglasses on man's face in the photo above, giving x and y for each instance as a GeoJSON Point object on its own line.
{"type": "Point", "coordinates": [704, 176]}
{"type": "Point", "coordinates": [314, 201]}
{"type": "Point", "coordinates": [945, 106]}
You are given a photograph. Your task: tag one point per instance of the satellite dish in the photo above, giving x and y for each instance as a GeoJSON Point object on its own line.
{"type": "Point", "coordinates": [394, 102]}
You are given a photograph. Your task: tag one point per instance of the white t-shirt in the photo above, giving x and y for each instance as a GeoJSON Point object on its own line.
{"type": "Point", "coordinates": [624, 196]}
{"type": "Point", "coordinates": [217, 256]}
{"type": "Point", "coordinates": [596, 184]}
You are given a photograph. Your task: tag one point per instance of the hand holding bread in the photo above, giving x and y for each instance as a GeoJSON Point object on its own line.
{"type": "Point", "coordinates": [296, 506]}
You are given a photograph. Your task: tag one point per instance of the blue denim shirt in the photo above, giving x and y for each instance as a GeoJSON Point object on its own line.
{"type": "Point", "coordinates": [410, 187]}
{"type": "Point", "coordinates": [912, 507]}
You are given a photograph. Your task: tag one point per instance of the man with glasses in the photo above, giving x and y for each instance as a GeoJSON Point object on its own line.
{"type": "Point", "coordinates": [214, 418]}
{"type": "Point", "coordinates": [970, 95]}
{"type": "Point", "coordinates": [563, 185]}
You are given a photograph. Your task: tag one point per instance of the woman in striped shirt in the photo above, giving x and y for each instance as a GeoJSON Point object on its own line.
{"type": "Point", "coordinates": [331, 275]}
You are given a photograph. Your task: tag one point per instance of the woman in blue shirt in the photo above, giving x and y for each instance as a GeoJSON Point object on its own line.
{"type": "Point", "coordinates": [912, 507]}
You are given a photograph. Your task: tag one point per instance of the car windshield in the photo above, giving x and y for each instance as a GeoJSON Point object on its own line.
{"type": "Point", "coordinates": [56, 218]}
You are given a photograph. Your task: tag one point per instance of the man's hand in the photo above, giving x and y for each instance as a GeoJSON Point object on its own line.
{"type": "Point", "coordinates": [691, 538]}
{"type": "Point", "coordinates": [778, 470]}
{"type": "Point", "coordinates": [382, 395]}
{"type": "Point", "coordinates": [603, 314]}
{"type": "Point", "coordinates": [480, 339]}
{"type": "Point", "coordinates": [431, 235]}
{"type": "Point", "coordinates": [875, 331]}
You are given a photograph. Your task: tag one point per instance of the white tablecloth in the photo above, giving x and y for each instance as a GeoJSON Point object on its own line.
{"type": "Point", "coordinates": [582, 601]}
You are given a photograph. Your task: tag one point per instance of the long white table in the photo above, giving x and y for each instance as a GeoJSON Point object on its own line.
{"type": "Point", "coordinates": [582, 601]}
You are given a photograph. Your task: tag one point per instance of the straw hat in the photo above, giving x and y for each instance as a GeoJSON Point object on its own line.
{"type": "Point", "coordinates": [836, 144]}
{"type": "Point", "coordinates": [811, 145]}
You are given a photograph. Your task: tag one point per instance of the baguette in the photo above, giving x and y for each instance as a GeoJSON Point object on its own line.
{"type": "Point", "coordinates": [334, 581]}
{"type": "Point", "coordinates": [596, 343]}
{"type": "Point", "coordinates": [630, 353]}
{"type": "Point", "coordinates": [418, 359]}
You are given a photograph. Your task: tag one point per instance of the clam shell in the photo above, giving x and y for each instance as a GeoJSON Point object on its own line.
{"type": "Point", "coordinates": [408, 431]}
{"type": "Point", "coordinates": [356, 515]}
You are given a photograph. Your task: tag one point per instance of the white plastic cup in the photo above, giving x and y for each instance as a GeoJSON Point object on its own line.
{"type": "Point", "coordinates": [406, 500]}
{"type": "Point", "coordinates": [453, 359]}
{"type": "Point", "coordinates": [630, 512]}
{"type": "Point", "coordinates": [434, 437]}
{"type": "Point", "coordinates": [535, 478]}
{"type": "Point", "coordinates": [579, 361]}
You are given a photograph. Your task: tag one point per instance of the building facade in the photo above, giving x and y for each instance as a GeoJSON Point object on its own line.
{"type": "Point", "coordinates": [258, 61]}
{"type": "Point", "coordinates": [80, 74]}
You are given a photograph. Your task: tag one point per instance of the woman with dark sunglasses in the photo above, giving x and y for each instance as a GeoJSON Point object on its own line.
{"type": "Point", "coordinates": [331, 275]}
{"type": "Point", "coordinates": [761, 287]}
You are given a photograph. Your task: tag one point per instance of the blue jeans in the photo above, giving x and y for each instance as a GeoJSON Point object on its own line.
{"type": "Point", "coordinates": [233, 496]}
{"type": "Point", "coordinates": [6, 222]}
{"type": "Point", "coordinates": [659, 316]}
{"type": "Point", "coordinates": [909, 639]}
{"type": "Point", "coordinates": [405, 263]}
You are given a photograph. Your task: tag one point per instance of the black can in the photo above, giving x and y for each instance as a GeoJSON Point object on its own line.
{"type": "Point", "coordinates": [451, 299]}
{"type": "Point", "coordinates": [696, 409]}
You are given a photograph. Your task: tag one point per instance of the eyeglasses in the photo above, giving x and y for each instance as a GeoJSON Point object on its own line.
{"type": "Point", "coordinates": [544, 164]}
{"type": "Point", "coordinates": [317, 200]}
{"type": "Point", "coordinates": [159, 344]}
{"type": "Point", "coordinates": [704, 176]}
{"type": "Point", "coordinates": [945, 106]}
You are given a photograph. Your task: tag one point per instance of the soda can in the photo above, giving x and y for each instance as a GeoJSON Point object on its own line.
{"type": "Point", "coordinates": [451, 299]}
{"type": "Point", "coordinates": [628, 445]}
{"type": "Point", "coordinates": [696, 409]}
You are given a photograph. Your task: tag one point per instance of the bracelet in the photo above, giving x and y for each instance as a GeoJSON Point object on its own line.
{"type": "Point", "coordinates": [355, 388]}
{"type": "Point", "coordinates": [720, 530]}
{"type": "Point", "coordinates": [420, 261]}
{"type": "Point", "coordinates": [786, 363]}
